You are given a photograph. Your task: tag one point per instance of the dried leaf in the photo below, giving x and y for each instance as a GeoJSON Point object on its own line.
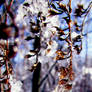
{"type": "Point", "coordinates": [59, 52]}
{"type": "Point", "coordinates": [35, 29]}
{"type": "Point", "coordinates": [78, 49]}
{"type": "Point", "coordinates": [80, 6]}
{"type": "Point", "coordinates": [43, 18]}
{"type": "Point", "coordinates": [44, 24]}
{"type": "Point", "coordinates": [48, 50]}
{"type": "Point", "coordinates": [67, 20]}
{"type": "Point", "coordinates": [71, 76]}
{"type": "Point", "coordinates": [68, 86]}
{"type": "Point", "coordinates": [63, 81]}
{"type": "Point", "coordinates": [60, 55]}
{"type": "Point", "coordinates": [29, 38]}
{"type": "Point", "coordinates": [63, 72]}
{"type": "Point", "coordinates": [79, 10]}
{"type": "Point", "coordinates": [63, 75]}
{"type": "Point", "coordinates": [77, 38]}
{"type": "Point", "coordinates": [26, 4]}
{"type": "Point", "coordinates": [33, 67]}
{"type": "Point", "coordinates": [63, 7]}
{"type": "Point", "coordinates": [28, 56]}
{"type": "Point", "coordinates": [39, 14]}
{"type": "Point", "coordinates": [60, 31]}
{"type": "Point", "coordinates": [10, 70]}
{"type": "Point", "coordinates": [50, 42]}
{"type": "Point", "coordinates": [53, 6]}
{"type": "Point", "coordinates": [33, 52]}
{"type": "Point", "coordinates": [53, 12]}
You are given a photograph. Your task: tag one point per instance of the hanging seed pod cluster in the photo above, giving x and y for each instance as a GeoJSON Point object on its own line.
{"type": "Point", "coordinates": [71, 37]}
{"type": "Point", "coordinates": [8, 50]}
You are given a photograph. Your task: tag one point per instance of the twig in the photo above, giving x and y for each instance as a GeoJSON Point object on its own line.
{"type": "Point", "coordinates": [11, 2]}
{"type": "Point", "coordinates": [46, 76]}
{"type": "Point", "coordinates": [84, 20]}
{"type": "Point", "coordinates": [70, 36]}
{"type": "Point", "coordinates": [86, 33]}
